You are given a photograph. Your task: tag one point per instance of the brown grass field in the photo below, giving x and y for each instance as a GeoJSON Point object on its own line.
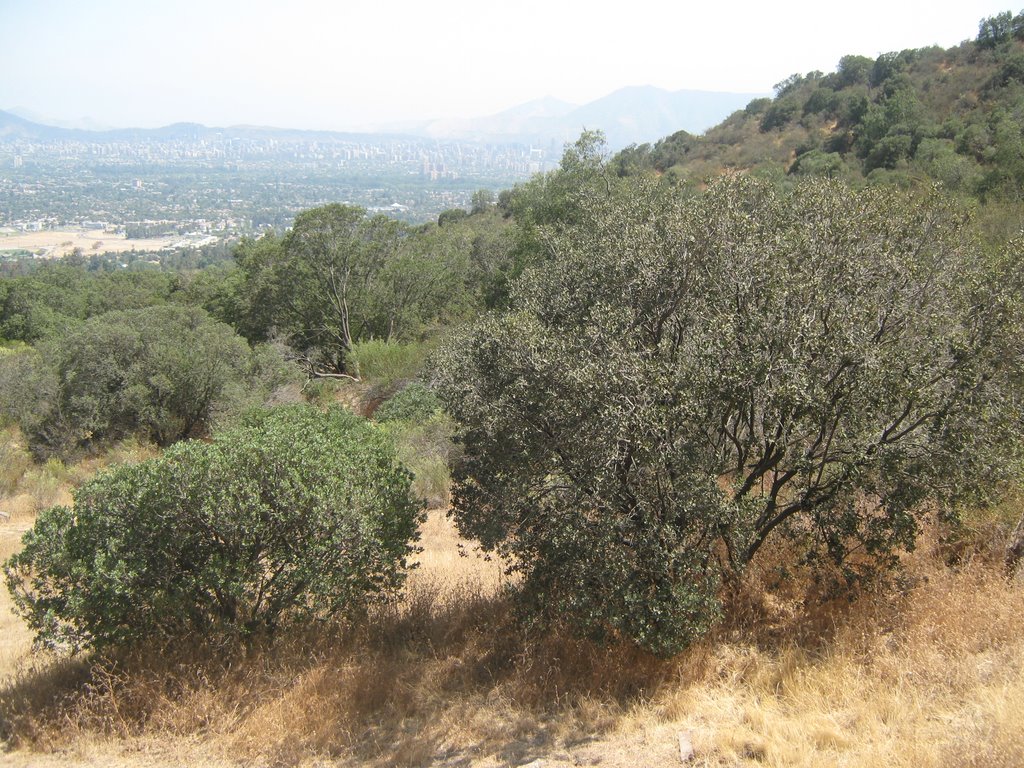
{"type": "Point", "coordinates": [926, 671]}
{"type": "Point", "coordinates": [53, 244]}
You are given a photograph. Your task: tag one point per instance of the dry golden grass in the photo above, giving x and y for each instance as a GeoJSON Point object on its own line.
{"type": "Point", "coordinates": [15, 637]}
{"type": "Point", "coordinates": [61, 243]}
{"type": "Point", "coordinates": [27, 487]}
{"type": "Point", "coordinates": [926, 672]}
{"type": "Point", "coordinates": [30, 488]}
{"type": "Point", "coordinates": [932, 678]}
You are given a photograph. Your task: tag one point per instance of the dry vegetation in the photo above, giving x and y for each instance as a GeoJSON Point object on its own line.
{"type": "Point", "coordinates": [925, 671]}
{"type": "Point", "coordinates": [54, 244]}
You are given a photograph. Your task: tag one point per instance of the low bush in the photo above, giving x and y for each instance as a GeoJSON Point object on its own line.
{"type": "Point", "coordinates": [386, 361]}
{"type": "Point", "coordinates": [162, 372]}
{"type": "Point", "coordinates": [415, 402]}
{"type": "Point", "coordinates": [46, 482]}
{"type": "Point", "coordinates": [296, 514]}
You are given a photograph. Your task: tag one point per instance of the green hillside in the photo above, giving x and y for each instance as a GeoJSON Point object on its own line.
{"type": "Point", "coordinates": [920, 115]}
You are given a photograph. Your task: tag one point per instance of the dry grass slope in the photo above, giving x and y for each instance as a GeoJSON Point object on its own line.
{"type": "Point", "coordinates": [925, 672]}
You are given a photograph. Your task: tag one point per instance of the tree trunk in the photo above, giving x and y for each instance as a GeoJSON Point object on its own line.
{"type": "Point", "coordinates": [1015, 550]}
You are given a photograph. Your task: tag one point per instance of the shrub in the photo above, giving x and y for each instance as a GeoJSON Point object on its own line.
{"type": "Point", "coordinates": [46, 482]}
{"type": "Point", "coordinates": [688, 379]}
{"type": "Point", "coordinates": [27, 389]}
{"type": "Point", "coordinates": [422, 433]}
{"type": "Point", "coordinates": [15, 460]}
{"type": "Point", "coordinates": [425, 447]}
{"type": "Point", "coordinates": [295, 515]}
{"type": "Point", "coordinates": [778, 114]}
{"type": "Point", "coordinates": [414, 402]}
{"type": "Point", "coordinates": [818, 163]}
{"type": "Point", "coordinates": [324, 393]}
{"type": "Point", "coordinates": [160, 371]}
{"type": "Point", "coordinates": [267, 378]}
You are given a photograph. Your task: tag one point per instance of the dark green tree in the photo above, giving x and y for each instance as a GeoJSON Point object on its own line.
{"type": "Point", "coordinates": [551, 201]}
{"type": "Point", "coordinates": [687, 379]}
{"type": "Point", "coordinates": [56, 297]}
{"type": "Point", "coordinates": [161, 371]}
{"type": "Point", "coordinates": [995, 30]}
{"type": "Point", "coordinates": [331, 260]}
{"type": "Point", "coordinates": [451, 216]}
{"type": "Point", "coordinates": [853, 70]}
{"type": "Point", "coordinates": [254, 297]}
{"type": "Point", "coordinates": [482, 201]}
{"type": "Point", "coordinates": [423, 282]}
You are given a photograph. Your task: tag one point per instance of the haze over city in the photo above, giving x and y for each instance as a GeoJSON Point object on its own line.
{"type": "Point", "coordinates": [343, 66]}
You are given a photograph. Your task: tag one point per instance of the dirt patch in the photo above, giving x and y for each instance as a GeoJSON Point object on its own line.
{"type": "Point", "coordinates": [54, 244]}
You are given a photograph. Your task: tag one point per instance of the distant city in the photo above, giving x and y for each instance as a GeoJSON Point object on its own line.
{"type": "Point", "coordinates": [199, 185]}
{"type": "Point", "coordinates": [190, 186]}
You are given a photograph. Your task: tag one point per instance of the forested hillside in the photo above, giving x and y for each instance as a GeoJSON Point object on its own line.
{"type": "Point", "coordinates": [908, 117]}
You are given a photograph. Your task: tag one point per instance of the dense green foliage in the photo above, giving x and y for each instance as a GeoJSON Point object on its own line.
{"type": "Point", "coordinates": [339, 278]}
{"type": "Point", "coordinates": [687, 377]}
{"type": "Point", "coordinates": [676, 373]}
{"type": "Point", "coordinates": [56, 297]}
{"type": "Point", "coordinates": [163, 372]}
{"type": "Point", "coordinates": [551, 202]}
{"type": "Point", "coordinates": [341, 294]}
{"type": "Point", "coordinates": [414, 402]}
{"type": "Point", "coordinates": [296, 514]}
{"type": "Point", "coordinates": [386, 363]}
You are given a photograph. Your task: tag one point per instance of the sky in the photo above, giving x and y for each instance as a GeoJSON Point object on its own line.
{"type": "Point", "coordinates": [342, 65]}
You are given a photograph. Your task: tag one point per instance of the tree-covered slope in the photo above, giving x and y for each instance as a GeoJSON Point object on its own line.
{"type": "Point", "coordinates": [929, 114]}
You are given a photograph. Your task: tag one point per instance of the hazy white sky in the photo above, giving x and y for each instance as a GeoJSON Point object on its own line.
{"type": "Point", "coordinates": [321, 64]}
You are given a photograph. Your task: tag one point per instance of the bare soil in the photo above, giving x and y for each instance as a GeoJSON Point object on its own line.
{"type": "Point", "coordinates": [55, 244]}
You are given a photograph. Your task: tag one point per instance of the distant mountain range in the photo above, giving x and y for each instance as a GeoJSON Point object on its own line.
{"type": "Point", "coordinates": [82, 123]}
{"type": "Point", "coordinates": [632, 115]}
{"type": "Point", "coordinates": [13, 127]}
